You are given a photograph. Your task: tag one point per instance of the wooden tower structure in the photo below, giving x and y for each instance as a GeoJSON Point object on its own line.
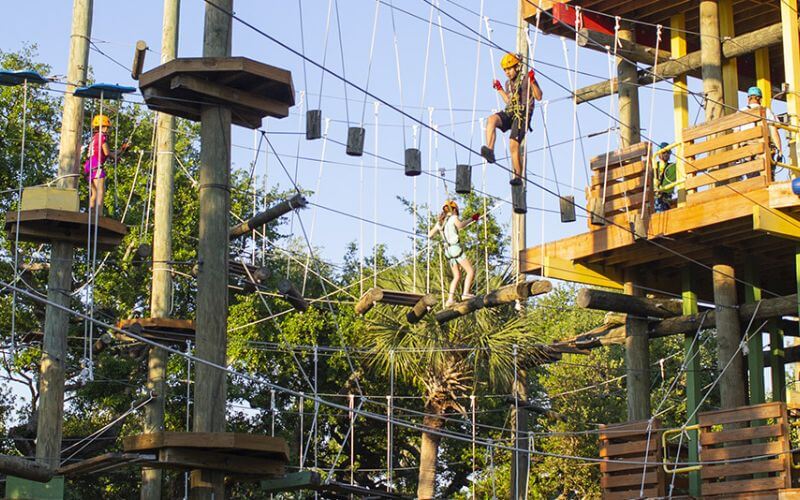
{"type": "Point", "coordinates": [729, 238]}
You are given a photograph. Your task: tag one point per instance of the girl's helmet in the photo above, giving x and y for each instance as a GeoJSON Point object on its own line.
{"type": "Point", "coordinates": [509, 61]}
{"type": "Point", "coordinates": [100, 121]}
{"type": "Point", "coordinates": [449, 205]}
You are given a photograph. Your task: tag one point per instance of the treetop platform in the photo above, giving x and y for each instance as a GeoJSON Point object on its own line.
{"type": "Point", "coordinates": [252, 90]}
{"type": "Point", "coordinates": [49, 225]}
{"type": "Point", "coordinates": [236, 454]}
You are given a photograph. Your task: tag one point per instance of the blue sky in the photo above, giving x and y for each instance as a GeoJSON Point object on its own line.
{"type": "Point", "coordinates": [364, 186]}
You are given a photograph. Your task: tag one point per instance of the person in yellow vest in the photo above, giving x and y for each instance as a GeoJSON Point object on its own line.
{"type": "Point", "coordinates": [449, 225]}
{"type": "Point", "coordinates": [520, 93]}
{"type": "Point", "coordinates": [664, 177]}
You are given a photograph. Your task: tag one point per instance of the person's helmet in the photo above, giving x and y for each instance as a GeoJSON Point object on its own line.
{"type": "Point", "coordinates": [754, 92]}
{"type": "Point", "coordinates": [509, 61]}
{"type": "Point", "coordinates": [663, 145]}
{"type": "Point", "coordinates": [449, 205]}
{"type": "Point", "coordinates": [100, 121]}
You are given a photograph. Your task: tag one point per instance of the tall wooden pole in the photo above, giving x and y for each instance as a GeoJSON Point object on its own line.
{"type": "Point", "coordinates": [680, 97]}
{"type": "Point", "coordinates": [56, 324]}
{"type": "Point", "coordinates": [730, 361]}
{"type": "Point", "coordinates": [730, 75]}
{"type": "Point", "coordinates": [212, 279]}
{"type": "Point", "coordinates": [691, 345]}
{"type": "Point", "coordinates": [711, 57]}
{"type": "Point", "coordinates": [630, 131]}
{"type": "Point", "coordinates": [161, 288]}
{"type": "Point", "coordinates": [637, 358]}
{"type": "Point", "coordinates": [519, 469]}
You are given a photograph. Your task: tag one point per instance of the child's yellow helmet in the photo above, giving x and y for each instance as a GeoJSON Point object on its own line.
{"type": "Point", "coordinates": [449, 205]}
{"type": "Point", "coordinates": [100, 121]}
{"type": "Point", "coordinates": [509, 61]}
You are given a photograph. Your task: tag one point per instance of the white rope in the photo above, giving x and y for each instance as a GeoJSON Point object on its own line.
{"type": "Point", "coordinates": [414, 214]}
{"type": "Point", "coordinates": [447, 79]}
{"type": "Point", "coordinates": [341, 55]}
{"type": "Point", "coordinates": [573, 87]}
{"type": "Point", "coordinates": [475, 84]}
{"type": "Point", "coordinates": [376, 105]}
{"type": "Point", "coordinates": [431, 176]}
{"type": "Point", "coordinates": [425, 74]}
{"type": "Point", "coordinates": [369, 64]}
{"type": "Point", "coordinates": [325, 52]}
{"type": "Point", "coordinates": [545, 150]}
{"type": "Point", "coordinates": [317, 191]}
{"type": "Point", "coordinates": [650, 126]}
{"type": "Point", "coordinates": [296, 170]}
{"type": "Point", "coordinates": [17, 273]}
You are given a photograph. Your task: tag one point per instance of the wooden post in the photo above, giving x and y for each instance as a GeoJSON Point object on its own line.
{"type": "Point", "coordinates": [161, 287]}
{"type": "Point", "coordinates": [680, 99]}
{"type": "Point", "coordinates": [763, 76]}
{"type": "Point", "coordinates": [729, 334]}
{"type": "Point", "coordinates": [711, 58]}
{"type": "Point", "coordinates": [26, 469]}
{"type": "Point", "coordinates": [637, 358]}
{"type": "Point", "coordinates": [630, 50]}
{"type": "Point", "coordinates": [777, 361]}
{"type": "Point", "coordinates": [791, 68]}
{"type": "Point", "coordinates": [421, 308]}
{"type": "Point", "coordinates": [54, 347]}
{"type": "Point", "coordinates": [518, 234]}
{"type": "Point", "coordinates": [730, 76]}
{"type": "Point", "coordinates": [138, 59]}
{"type": "Point", "coordinates": [691, 349]}
{"type": "Point", "coordinates": [755, 361]}
{"type": "Point", "coordinates": [212, 279]}
{"type": "Point", "coordinates": [628, 79]}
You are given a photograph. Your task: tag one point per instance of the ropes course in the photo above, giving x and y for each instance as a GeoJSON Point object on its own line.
{"type": "Point", "coordinates": [423, 323]}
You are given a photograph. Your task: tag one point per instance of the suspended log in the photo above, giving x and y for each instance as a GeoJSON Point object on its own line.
{"type": "Point", "coordinates": [732, 47]}
{"type": "Point", "coordinates": [639, 306]}
{"type": "Point", "coordinates": [138, 59]}
{"type": "Point", "coordinates": [460, 309]}
{"type": "Point", "coordinates": [368, 300]}
{"type": "Point", "coordinates": [272, 213]}
{"type": "Point", "coordinates": [26, 469]}
{"type": "Point", "coordinates": [292, 295]}
{"type": "Point", "coordinates": [421, 308]}
{"type": "Point", "coordinates": [627, 48]}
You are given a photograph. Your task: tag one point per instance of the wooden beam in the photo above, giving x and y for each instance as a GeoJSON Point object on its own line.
{"type": "Point", "coordinates": [791, 66]}
{"type": "Point", "coordinates": [776, 223]}
{"type": "Point", "coordinates": [138, 59]}
{"type": "Point", "coordinates": [367, 301]}
{"type": "Point", "coordinates": [730, 75]}
{"type": "Point", "coordinates": [586, 274]}
{"type": "Point", "coordinates": [230, 94]}
{"type": "Point", "coordinates": [680, 100]}
{"type": "Point", "coordinates": [504, 295]}
{"type": "Point", "coordinates": [735, 47]}
{"type": "Point", "coordinates": [629, 49]}
{"type": "Point", "coordinates": [272, 213]}
{"type": "Point", "coordinates": [764, 76]}
{"type": "Point", "coordinates": [635, 305]}
{"type": "Point", "coordinates": [26, 469]}
{"type": "Point", "coordinates": [628, 93]}
{"type": "Point", "coordinates": [292, 295]}
{"type": "Point", "coordinates": [421, 308]}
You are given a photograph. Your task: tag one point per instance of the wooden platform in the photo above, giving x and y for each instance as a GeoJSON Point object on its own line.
{"type": "Point", "coordinates": [252, 90]}
{"type": "Point", "coordinates": [238, 455]}
{"type": "Point", "coordinates": [731, 204]}
{"type": "Point", "coordinates": [168, 330]}
{"type": "Point", "coordinates": [48, 225]}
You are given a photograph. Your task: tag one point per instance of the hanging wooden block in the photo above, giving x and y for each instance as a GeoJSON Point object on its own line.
{"type": "Point", "coordinates": [413, 162]}
{"type": "Point", "coordinates": [518, 201]}
{"type": "Point", "coordinates": [596, 215]}
{"type": "Point", "coordinates": [313, 124]}
{"type": "Point", "coordinates": [292, 295]}
{"type": "Point", "coordinates": [567, 208]}
{"type": "Point", "coordinates": [639, 227]}
{"type": "Point", "coordinates": [463, 179]}
{"type": "Point", "coordinates": [355, 141]}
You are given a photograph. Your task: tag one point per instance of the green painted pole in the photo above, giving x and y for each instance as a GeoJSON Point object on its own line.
{"type": "Point", "coordinates": [755, 344]}
{"type": "Point", "coordinates": [777, 360]}
{"type": "Point", "coordinates": [693, 395]}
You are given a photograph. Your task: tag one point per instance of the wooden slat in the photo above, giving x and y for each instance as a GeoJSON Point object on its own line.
{"type": "Point", "coordinates": [723, 174]}
{"type": "Point", "coordinates": [637, 429]}
{"type": "Point", "coordinates": [621, 464]}
{"type": "Point", "coordinates": [628, 494]}
{"type": "Point", "coordinates": [723, 158]}
{"type": "Point", "coordinates": [714, 127]}
{"type": "Point", "coordinates": [736, 188]}
{"type": "Point", "coordinates": [617, 172]}
{"type": "Point", "coordinates": [635, 479]}
{"type": "Point", "coordinates": [743, 451]}
{"type": "Point", "coordinates": [741, 414]}
{"type": "Point", "coordinates": [633, 202]}
{"type": "Point", "coordinates": [619, 156]}
{"type": "Point", "coordinates": [631, 447]}
{"type": "Point", "coordinates": [733, 487]}
{"type": "Point", "coordinates": [691, 150]}
{"type": "Point", "coordinates": [743, 468]}
{"type": "Point", "coordinates": [745, 434]}
{"type": "Point", "coordinates": [615, 187]}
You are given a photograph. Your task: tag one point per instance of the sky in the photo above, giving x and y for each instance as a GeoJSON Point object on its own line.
{"type": "Point", "coordinates": [445, 81]}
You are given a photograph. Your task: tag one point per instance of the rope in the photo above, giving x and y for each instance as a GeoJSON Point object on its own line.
{"type": "Point", "coordinates": [376, 105]}
{"type": "Point", "coordinates": [475, 85]}
{"type": "Point", "coordinates": [574, 86]}
{"type": "Point", "coordinates": [341, 54]}
{"type": "Point", "coordinates": [650, 126]}
{"type": "Point", "coordinates": [369, 64]}
{"type": "Point", "coordinates": [325, 54]}
{"type": "Point", "coordinates": [17, 274]}
{"type": "Point", "coordinates": [317, 191]}
{"type": "Point", "coordinates": [447, 81]}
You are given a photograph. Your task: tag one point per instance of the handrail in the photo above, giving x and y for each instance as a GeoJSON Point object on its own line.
{"type": "Point", "coordinates": [670, 432]}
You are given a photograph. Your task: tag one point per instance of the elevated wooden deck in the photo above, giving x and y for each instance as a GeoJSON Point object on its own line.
{"type": "Point", "coordinates": [48, 225]}
{"type": "Point", "coordinates": [730, 204]}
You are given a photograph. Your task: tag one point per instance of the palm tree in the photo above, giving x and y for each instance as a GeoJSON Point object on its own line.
{"type": "Point", "coordinates": [445, 362]}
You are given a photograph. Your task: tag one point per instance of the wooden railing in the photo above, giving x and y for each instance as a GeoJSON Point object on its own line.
{"type": "Point", "coordinates": [732, 151]}
{"type": "Point", "coordinates": [631, 445]}
{"type": "Point", "coordinates": [618, 185]}
{"type": "Point", "coordinates": [713, 159]}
